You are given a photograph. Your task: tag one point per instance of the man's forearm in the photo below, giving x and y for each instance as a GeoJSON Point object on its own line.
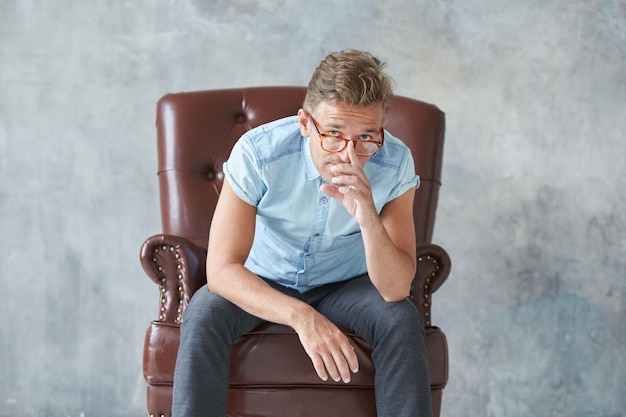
{"type": "Point", "coordinates": [250, 293]}
{"type": "Point", "coordinates": [390, 269]}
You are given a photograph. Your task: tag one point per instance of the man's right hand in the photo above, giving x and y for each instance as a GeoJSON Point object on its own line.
{"type": "Point", "coordinates": [329, 349]}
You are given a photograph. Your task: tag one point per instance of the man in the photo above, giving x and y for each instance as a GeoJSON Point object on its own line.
{"type": "Point", "coordinates": [314, 230]}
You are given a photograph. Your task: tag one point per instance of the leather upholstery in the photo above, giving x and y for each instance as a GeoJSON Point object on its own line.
{"type": "Point", "coordinates": [270, 373]}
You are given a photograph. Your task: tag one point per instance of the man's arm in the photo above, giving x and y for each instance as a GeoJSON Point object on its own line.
{"type": "Point", "coordinates": [230, 240]}
{"type": "Point", "coordinates": [389, 238]}
{"type": "Point", "coordinates": [390, 248]}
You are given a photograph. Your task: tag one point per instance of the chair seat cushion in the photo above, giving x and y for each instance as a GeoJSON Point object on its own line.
{"type": "Point", "coordinates": [254, 358]}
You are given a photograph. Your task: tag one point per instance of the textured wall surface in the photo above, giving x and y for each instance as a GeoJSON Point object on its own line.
{"type": "Point", "coordinates": [532, 210]}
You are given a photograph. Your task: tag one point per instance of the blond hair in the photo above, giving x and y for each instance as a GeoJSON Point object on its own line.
{"type": "Point", "coordinates": [350, 76]}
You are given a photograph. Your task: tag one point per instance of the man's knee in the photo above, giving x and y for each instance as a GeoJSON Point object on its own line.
{"type": "Point", "coordinates": [401, 319]}
{"type": "Point", "coordinates": [207, 309]}
{"type": "Point", "coordinates": [213, 314]}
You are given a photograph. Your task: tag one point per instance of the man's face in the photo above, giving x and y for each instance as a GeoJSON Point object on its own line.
{"type": "Point", "coordinates": [339, 119]}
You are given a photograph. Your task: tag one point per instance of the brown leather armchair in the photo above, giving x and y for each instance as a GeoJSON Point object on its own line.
{"type": "Point", "coordinates": [271, 375]}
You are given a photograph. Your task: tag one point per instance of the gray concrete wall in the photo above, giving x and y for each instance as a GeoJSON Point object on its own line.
{"type": "Point", "coordinates": [532, 209]}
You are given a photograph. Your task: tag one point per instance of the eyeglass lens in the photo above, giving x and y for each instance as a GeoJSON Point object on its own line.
{"type": "Point", "coordinates": [336, 145]}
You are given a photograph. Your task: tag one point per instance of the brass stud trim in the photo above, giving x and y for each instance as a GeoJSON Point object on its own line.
{"type": "Point", "coordinates": [163, 267]}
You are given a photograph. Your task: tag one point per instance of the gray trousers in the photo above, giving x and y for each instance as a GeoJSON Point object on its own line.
{"type": "Point", "coordinates": [395, 331]}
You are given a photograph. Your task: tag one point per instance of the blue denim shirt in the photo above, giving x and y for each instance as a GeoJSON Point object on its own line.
{"type": "Point", "coordinates": [304, 238]}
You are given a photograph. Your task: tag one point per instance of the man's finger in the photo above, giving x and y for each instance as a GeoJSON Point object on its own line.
{"type": "Point", "coordinates": [353, 360]}
{"type": "Point", "coordinates": [320, 368]}
{"type": "Point", "coordinates": [332, 367]}
{"type": "Point", "coordinates": [352, 155]}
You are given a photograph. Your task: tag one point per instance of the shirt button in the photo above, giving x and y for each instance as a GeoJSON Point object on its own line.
{"type": "Point", "coordinates": [324, 200]}
{"type": "Point", "coordinates": [317, 235]}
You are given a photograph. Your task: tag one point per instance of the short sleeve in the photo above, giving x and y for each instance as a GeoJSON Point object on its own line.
{"type": "Point", "coordinates": [243, 172]}
{"type": "Point", "coordinates": [407, 178]}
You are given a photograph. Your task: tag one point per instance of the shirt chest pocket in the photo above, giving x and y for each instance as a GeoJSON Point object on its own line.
{"type": "Point", "coordinates": [347, 246]}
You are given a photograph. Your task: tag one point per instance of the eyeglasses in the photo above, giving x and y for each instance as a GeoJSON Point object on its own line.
{"type": "Point", "coordinates": [363, 147]}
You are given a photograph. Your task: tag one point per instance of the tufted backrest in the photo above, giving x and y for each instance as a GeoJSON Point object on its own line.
{"type": "Point", "coordinates": [197, 130]}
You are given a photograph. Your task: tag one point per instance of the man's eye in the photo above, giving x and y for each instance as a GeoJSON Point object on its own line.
{"type": "Point", "coordinates": [333, 133]}
{"type": "Point", "coordinates": [366, 137]}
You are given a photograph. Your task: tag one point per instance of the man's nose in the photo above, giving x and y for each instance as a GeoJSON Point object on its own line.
{"type": "Point", "coordinates": [344, 155]}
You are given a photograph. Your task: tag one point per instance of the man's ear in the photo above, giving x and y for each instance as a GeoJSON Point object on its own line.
{"type": "Point", "coordinates": [304, 123]}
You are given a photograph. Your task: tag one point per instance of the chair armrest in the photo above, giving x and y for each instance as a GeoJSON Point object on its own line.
{"type": "Point", "coordinates": [433, 268]}
{"type": "Point", "coordinates": [177, 266]}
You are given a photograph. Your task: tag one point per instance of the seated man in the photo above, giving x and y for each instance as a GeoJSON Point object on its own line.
{"type": "Point", "coordinates": [314, 230]}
